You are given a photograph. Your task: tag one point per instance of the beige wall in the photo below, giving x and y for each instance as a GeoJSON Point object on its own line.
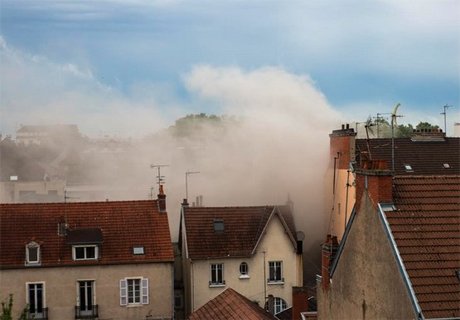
{"type": "Point", "coordinates": [367, 283]}
{"type": "Point", "coordinates": [275, 246]}
{"type": "Point", "coordinates": [61, 289]}
{"type": "Point", "coordinates": [341, 208]}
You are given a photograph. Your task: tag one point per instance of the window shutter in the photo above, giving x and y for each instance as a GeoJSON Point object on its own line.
{"type": "Point", "coordinates": [123, 293]}
{"type": "Point", "coordinates": [145, 290]}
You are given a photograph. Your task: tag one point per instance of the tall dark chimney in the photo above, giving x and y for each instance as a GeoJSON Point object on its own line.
{"type": "Point", "coordinates": [329, 250]}
{"type": "Point", "coordinates": [161, 200]}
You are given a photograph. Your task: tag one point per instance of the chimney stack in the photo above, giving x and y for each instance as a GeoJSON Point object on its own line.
{"type": "Point", "coordinates": [161, 200]}
{"type": "Point", "coordinates": [185, 203]}
{"type": "Point", "coordinates": [271, 304]}
{"type": "Point", "coordinates": [376, 179]}
{"type": "Point", "coordinates": [299, 302]}
{"type": "Point", "coordinates": [342, 142]}
{"type": "Point", "coordinates": [329, 249]}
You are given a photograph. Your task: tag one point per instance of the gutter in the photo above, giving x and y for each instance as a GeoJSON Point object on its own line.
{"type": "Point", "coordinates": [402, 269]}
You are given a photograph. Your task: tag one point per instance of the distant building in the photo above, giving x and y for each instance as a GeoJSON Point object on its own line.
{"type": "Point", "coordinates": [39, 134]}
{"type": "Point", "coordinates": [88, 260]}
{"type": "Point", "coordinates": [16, 191]}
{"type": "Point", "coordinates": [250, 249]}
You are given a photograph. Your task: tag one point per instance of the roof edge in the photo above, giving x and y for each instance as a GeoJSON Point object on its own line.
{"type": "Point", "coordinates": [285, 226]}
{"type": "Point", "coordinates": [400, 263]}
{"type": "Point", "coordinates": [343, 241]}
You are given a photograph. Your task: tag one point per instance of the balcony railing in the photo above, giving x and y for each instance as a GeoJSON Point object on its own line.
{"type": "Point", "coordinates": [42, 315]}
{"type": "Point", "coordinates": [93, 313]}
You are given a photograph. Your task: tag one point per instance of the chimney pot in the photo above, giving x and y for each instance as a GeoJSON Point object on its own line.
{"type": "Point", "coordinates": [343, 126]}
{"type": "Point", "coordinates": [161, 200]}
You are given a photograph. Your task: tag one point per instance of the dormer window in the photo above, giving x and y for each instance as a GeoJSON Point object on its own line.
{"type": "Point", "coordinates": [85, 243]}
{"type": "Point", "coordinates": [32, 253]}
{"type": "Point", "coordinates": [85, 252]}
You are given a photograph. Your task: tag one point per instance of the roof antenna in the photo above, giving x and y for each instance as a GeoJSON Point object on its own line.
{"type": "Point", "coordinates": [393, 124]}
{"type": "Point", "coordinates": [161, 179]}
{"type": "Point", "coordinates": [445, 116]}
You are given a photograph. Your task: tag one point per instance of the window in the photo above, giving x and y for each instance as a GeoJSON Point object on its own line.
{"type": "Point", "coordinates": [86, 300]}
{"type": "Point", "coordinates": [36, 300]}
{"type": "Point", "coordinates": [275, 271]}
{"type": "Point", "coordinates": [134, 291]}
{"type": "Point", "coordinates": [32, 253]}
{"type": "Point", "coordinates": [278, 305]}
{"type": "Point", "coordinates": [138, 250]}
{"type": "Point", "coordinates": [85, 252]}
{"type": "Point", "coordinates": [219, 226]}
{"type": "Point", "coordinates": [217, 274]}
{"type": "Point", "coordinates": [244, 270]}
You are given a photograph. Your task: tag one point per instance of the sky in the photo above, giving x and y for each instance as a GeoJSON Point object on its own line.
{"type": "Point", "coordinates": [130, 68]}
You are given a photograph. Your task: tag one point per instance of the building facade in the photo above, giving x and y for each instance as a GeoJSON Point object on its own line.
{"type": "Point", "coordinates": [92, 260]}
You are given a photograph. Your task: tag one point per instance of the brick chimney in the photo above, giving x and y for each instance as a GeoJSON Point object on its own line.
{"type": "Point", "coordinates": [342, 143]}
{"type": "Point", "coordinates": [299, 302]}
{"type": "Point", "coordinates": [329, 250]}
{"type": "Point", "coordinates": [376, 179]}
{"type": "Point", "coordinates": [161, 200]}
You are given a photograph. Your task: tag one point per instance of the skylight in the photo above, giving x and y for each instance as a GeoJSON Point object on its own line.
{"type": "Point", "coordinates": [446, 166]}
{"type": "Point", "coordinates": [408, 168]}
{"type": "Point", "coordinates": [219, 226]}
{"type": "Point", "coordinates": [138, 250]}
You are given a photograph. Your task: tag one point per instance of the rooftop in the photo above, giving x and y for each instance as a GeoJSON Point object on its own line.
{"type": "Point", "coordinates": [230, 305]}
{"type": "Point", "coordinates": [239, 229]}
{"type": "Point", "coordinates": [420, 157]}
{"type": "Point", "coordinates": [426, 228]}
{"type": "Point", "coordinates": [117, 226]}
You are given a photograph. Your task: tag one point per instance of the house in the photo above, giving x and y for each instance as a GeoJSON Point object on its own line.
{"type": "Point", "coordinates": [424, 153]}
{"type": "Point", "coordinates": [88, 260]}
{"type": "Point", "coordinates": [399, 257]}
{"type": "Point", "coordinates": [250, 249]}
{"type": "Point", "coordinates": [231, 305]}
{"type": "Point", "coordinates": [39, 134]}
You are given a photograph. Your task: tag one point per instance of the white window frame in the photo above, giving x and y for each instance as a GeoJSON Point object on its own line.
{"type": "Point", "coordinates": [217, 283]}
{"type": "Point", "coordinates": [278, 304]}
{"type": "Point", "coordinates": [143, 291]}
{"type": "Point", "coordinates": [43, 295]}
{"type": "Point", "coordinates": [30, 245]}
{"type": "Point", "coordinates": [77, 285]}
{"type": "Point", "coordinates": [244, 275]}
{"type": "Point", "coordinates": [96, 252]}
{"type": "Point", "coordinates": [281, 279]}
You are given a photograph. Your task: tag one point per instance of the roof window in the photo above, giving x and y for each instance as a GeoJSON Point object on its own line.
{"type": "Point", "coordinates": [138, 250]}
{"type": "Point", "coordinates": [446, 165]}
{"type": "Point", "coordinates": [408, 168]}
{"type": "Point", "coordinates": [219, 226]}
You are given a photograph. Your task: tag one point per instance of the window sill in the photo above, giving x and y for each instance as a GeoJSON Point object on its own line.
{"type": "Point", "coordinates": [217, 285]}
{"type": "Point", "coordinates": [134, 305]}
{"type": "Point", "coordinates": [275, 282]}
{"type": "Point", "coordinates": [244, 276]}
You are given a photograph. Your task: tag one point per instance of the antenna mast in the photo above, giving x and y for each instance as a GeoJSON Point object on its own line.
{"type": "Point", "coordinates": [393, 123]}
{"type": "Point", "coordinates": [160, 178]}
{"type": "Point", "coordinates": [445, 117]}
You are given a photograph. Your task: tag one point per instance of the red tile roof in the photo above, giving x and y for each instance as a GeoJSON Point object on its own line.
{"type": "Point", "coordinates": [425, 157]}
{"type": "Point", "coordinates": [426, 228]}
{"type": "Point", "coordinates": [230, 305]}
{"type": "Point", "coordinates": [124, 224]}
{"type": "Point", "coordinates": [243, 226]}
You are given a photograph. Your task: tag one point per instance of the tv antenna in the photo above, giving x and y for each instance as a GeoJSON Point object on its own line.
{"type": "Point", "coordinates": [186, 181]}
{"type": "Point", "coordinates": [394, 123]}
{"type": "Point", "coordinates": [161, 179]}
{"type": "Point", "coordinates": [378, 119]}
{"type": "Point", "coordinates": [445, 117]}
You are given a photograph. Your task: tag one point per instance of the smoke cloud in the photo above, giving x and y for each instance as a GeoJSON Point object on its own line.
{"type": "Point", "coordinates": [271, 145]}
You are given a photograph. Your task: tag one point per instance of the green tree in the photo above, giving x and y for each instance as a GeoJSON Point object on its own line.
{"type": "Point", "coordinates": [7, 310]}
{"type": "Point", "coordinates": [426, 126]}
